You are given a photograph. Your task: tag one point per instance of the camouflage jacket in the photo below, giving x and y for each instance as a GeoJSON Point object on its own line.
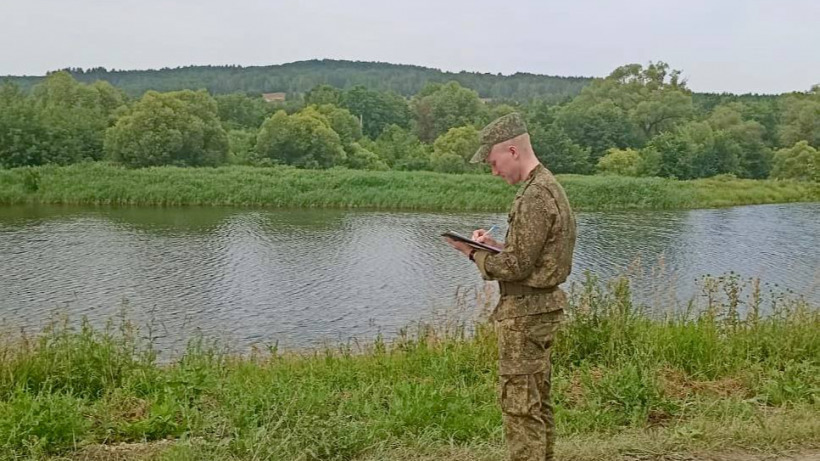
{"type": "Point", "coordinates": [538, 246]}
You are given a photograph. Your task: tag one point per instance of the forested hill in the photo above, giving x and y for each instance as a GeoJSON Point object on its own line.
{"type": "Point", "coordinates": [299, 77]}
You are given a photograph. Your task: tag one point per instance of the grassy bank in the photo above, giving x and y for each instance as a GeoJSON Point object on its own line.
{"type": "Point", "coordinates": [288, 187]}
{"type": "Point", "coordinates": [624, 382]}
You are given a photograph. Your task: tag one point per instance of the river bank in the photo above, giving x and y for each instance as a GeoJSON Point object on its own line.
{"type": "Point", "coordinates": [285, 187]}
{"type": "Point", "coordinates": [719, 377]}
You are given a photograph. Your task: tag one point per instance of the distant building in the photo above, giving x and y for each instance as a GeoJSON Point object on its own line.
{"type": "Point", "coordinates": [486, 100]}
{"type": "Point", "coordinates": [273, 97]}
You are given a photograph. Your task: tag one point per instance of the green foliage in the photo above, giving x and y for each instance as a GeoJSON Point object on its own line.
{"type": "Point", "coordinates": [627, 108]}
{"type": "Point", "coordinates": [238, 111]}
{"type": "Point", "coordinates": [754, 156]}
{"type": "Point", "coordinates": [337, 119]}
{"type": "Point", "coordinates": [801, 162]}
{"type": "Point", "coordinates": [499, 110]}
{"type": "Point", "coordinates": [647, 109]}
{"type": "Point", "coordinates": [461, 142]}
{"type": "Point", "coordinates": [557, 151]}
{"type": "Point", "coordinates": [303, 140]}
{"type": "Point", "coordinates": [453, 150]}
{"type": "Point", "coordinates": [323, 94]}
{"type": "Point", "coordinates": [360, 158]}
{"type": "Point", "coordinates": [242, 147]}
{"type": "Point", "coordinates": [178, 128]}
{"type": "Point", "coordinates": [696, 150]}
{"type": "Point", "coordinates": [38, 423]}
{"type": "Point", "coordinates": [614, 369]}
{"type": "Point", "coordinates": [598, 127]}
{"type": "Point", "coordinates": [23, 136]}
{"type": "Point", "coordinates": [75, 115]}
{"type": "Point", "coordinates": [441, 107]}
{"type": "Point", "coordinates": [282, 186]}
{"type": "Point", "coordinates": [448, 162]}
{"type": "Point", "coordinates": [401, 149]}
{"type": "Point", "coordinates": [801, 119]}
{"type": "Point", "coordinates": [376, 110]}
{"type": "Point", "coordinates": [62, 122]}
{"type": "Point", "coordinates": [624, 162]}
{"type": "Point", "coordinates": [300, 77]}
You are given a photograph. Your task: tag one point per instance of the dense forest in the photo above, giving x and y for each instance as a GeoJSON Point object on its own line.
{"type": "Point", "coordinates": [300, 77]}
{"type": "Point", "coordinates": [638, 121]}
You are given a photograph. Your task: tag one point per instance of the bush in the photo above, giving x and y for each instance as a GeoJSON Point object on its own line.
{"type": "Point", "coordinates": [362, 159]}
{"type": "Point", "coordinates": [801, 162]}
{"type": "Point", "coordinates": [623, 162]}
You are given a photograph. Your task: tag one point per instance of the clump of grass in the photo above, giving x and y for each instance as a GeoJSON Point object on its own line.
{"type": "Point", "coordinates": [286, 187]}
{"type": "Point", "coordinates": [738, 358]}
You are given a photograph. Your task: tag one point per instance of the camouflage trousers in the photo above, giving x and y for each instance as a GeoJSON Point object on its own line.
{"type": "Point", "coordinates": [524, 347]}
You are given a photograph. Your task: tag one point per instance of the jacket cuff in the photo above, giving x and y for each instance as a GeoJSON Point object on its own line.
{"type": "Point", "coordinates": [480, 261]}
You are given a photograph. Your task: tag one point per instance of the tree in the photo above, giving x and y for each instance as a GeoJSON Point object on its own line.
{"type": "Point", "coordinates": [598, 128]}
{"type": "Point", "coordinates": [622, 162]}
{"type": "Point", "coordinates": [696, 150]}
{"type": "Point", "coordinates": [23, 137]}
{"type": "Point", "coordinates": [241, 147]}
{"type": "Point", "coordinates": [627, 108]}
{"type": "Point", "coordinates": [801, 162]}
{"type": "Point", "coordinates": [238, 111]}
{"type": "Point", "coordinates": [376, 109]}
{"type": "Point", "coordinates": [677, 155]}
{"type": "Point", "coordinates": [401, 149]}
{"type": "Point", "coordinates": [178, 128]}
{"type": "Point", "coordinates": [555, 149]}
{"type": "Point", "coordinates": [461, 141]}
{"type": "Point", "coordinates": [339, 120]}
{"type": "Point", "coordinates": [360, 158]}
{"type": "Point", "coordinates": [754, 157]}
{"type": "Point", "coordinates": [441, 107]}
{"type": "Point", "coordinates": [801, 119]}
{"type": "Point", "coordinates": [300, 139]}
{"type": "Point", "coordinates": [453, 150]}
{"type": "Point", "coordinates": [496, 111]}
{"type": "Point", "coordinates": [323, 94]}
{"type": "Point", "coordinates": [75, 116]}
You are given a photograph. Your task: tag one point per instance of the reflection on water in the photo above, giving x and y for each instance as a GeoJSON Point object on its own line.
{"type": "Point", "coordinates": [303, 276]}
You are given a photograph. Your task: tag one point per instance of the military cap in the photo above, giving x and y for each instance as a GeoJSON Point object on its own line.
{"type": "Point", "coordinates": [499, 130]}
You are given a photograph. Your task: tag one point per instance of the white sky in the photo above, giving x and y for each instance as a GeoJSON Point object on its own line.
{"type": "Point", "coordinates": [720, 45]}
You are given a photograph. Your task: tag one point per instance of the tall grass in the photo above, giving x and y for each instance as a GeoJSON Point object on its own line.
{"type": "Point", "coordinates": [98, 183]}
{"type": "Point", "coordinates": [721, 365]}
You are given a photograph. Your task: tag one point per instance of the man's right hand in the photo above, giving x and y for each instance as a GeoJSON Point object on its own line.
{"type": "Point", "coordinates": [481, 236]}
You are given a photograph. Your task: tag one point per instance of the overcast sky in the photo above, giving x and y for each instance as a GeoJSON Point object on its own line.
{"type": "Point", "coordinates": [720, 45]}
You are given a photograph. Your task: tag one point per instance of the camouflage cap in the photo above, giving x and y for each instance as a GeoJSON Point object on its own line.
{"type": "Point", "coordinates": [499, 130]}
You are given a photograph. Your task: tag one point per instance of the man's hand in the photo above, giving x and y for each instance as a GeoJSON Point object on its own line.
{"type": "Point", "coordinates": [460, 246]}
{"type": "Point", "coordinates": [481, 236]}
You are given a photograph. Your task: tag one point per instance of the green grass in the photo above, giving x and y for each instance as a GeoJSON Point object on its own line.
{"type": "Point", "coordinates": [102, 184]}
{"type": "Point", "coordinates": [724, 375]}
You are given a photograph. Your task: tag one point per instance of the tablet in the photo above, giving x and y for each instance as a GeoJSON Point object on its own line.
{"type": "Point", "coordinates": [472, 243]}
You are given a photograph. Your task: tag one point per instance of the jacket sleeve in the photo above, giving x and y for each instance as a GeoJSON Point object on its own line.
{"type": "Point", "coordinates": [530, 222]}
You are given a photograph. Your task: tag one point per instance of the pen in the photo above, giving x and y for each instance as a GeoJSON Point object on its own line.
{"type": "Point", "coordinates": [491, 229]}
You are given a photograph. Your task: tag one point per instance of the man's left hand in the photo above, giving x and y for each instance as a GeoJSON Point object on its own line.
{"type": "Point", "coordinates": [460, 246]}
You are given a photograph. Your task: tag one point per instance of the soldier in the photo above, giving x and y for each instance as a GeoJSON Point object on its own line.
{"type": "Point", "coordinates": [535, 258]}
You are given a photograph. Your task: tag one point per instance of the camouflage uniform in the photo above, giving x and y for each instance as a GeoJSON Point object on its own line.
{"type": "Point", "coordinates": [537, 257]}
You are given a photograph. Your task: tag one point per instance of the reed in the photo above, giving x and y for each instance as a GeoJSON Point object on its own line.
{"type": "Point", "coordinates": [285, 187]}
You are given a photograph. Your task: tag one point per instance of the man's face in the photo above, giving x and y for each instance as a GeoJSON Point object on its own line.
{"type": "Point", "coordinates": [503, 159]}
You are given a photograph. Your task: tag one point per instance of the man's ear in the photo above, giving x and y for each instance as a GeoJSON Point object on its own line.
{"type": "Point", "coordinates": [514, 151]}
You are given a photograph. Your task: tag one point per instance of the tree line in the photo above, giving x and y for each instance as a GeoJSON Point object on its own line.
{"type": "Point", "coordinates": [300, 77]}
{"type": "Point", "coordinates": [638, 121]}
